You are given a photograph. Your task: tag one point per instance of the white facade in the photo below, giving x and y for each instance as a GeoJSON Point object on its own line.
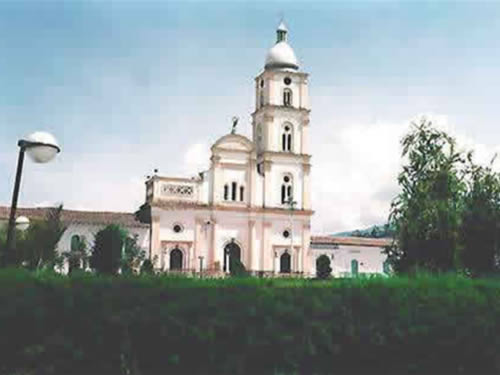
{"type": "Point", "coordinates": [351, 256]}
{"type": "Point", "coordinates": [253, 203]}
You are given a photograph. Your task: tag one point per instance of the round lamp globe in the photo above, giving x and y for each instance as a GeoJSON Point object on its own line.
{"type": "Point", "coordinates": [22, 223]}
{"type": "Point", "coordinates": [43, 148]}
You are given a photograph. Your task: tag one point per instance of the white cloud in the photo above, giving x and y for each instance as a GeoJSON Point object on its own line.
{"type": "Point", "coordinates": [354, 175]}
{"type": "Point", "coordinates": [196, 158]}
{"type": "Point", "coordinates": [355, 171]}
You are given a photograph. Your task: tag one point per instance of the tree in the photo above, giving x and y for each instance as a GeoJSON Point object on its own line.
{"type": "Point", "coordinates": [323, 269]}
{"type": "Point", "coordinates": [132, 256]}
{"type": "Point", "coordinates": [77, 256]}
{"type": "Point", "coordinates": [37, 246]}
{"type": "Point", "coordinates": [237, 268]}
{"type": "Point", "coordinates": [426, 214]}
{"type": "Point", "coordinates": [107, 251]}
{"type": "Point", "coordinates": [481, 218]}
{"type": "Point", "coordinates": [147, 267]}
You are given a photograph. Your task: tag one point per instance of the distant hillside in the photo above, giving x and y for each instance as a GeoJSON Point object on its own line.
{"type": "Point", "coordinates": [375, 231]}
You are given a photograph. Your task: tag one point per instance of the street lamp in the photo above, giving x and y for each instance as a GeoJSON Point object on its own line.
{"type": "Point", "coordinates": [22, 223]}
{"type": "Point", "coordinates": [42, 147]}
{"type": "Point", "coordinates": [201, 265]}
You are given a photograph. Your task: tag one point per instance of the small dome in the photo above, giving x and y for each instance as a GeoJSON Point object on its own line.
{"type": "Point", "coordinates": [280, 56]}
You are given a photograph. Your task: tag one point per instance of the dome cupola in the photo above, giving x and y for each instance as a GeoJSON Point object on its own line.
{"type": "Point", "coordinates": [281, 55]}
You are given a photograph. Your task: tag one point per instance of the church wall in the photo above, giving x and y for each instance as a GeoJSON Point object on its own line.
{"type": "Point", "coordinates": [370, 259]}
{"type": "Point", "coordinates": [278, 171]}
{"type": "Point", "coordinates": [204, 189]}
{"type": "Point", "coordinates": [298, 86]}
{"type": "Point", "coordinates": [259, 187]}
{"type": "Point", "coordinates": [231, 226]}
{"type": "Point", "coordinates": [90, 230]}
{"type": "Point", "coordinates": [295, 231]}
{"type": "Point", "coordinates": [185, 218]}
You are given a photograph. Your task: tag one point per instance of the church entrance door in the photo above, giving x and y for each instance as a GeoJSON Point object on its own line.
{"type": "Point", "coordinates": [232, 253]}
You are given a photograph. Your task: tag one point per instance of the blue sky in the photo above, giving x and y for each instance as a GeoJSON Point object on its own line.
{"type": "Point", "coordinates": [128, 86]}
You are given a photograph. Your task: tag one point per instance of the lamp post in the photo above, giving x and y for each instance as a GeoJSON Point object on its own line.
{"type": "Point", "coordinates": [41, 147]}
{"type": "Point", "coordinates": [201, 265]}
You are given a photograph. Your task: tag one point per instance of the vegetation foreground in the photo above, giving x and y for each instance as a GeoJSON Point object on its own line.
{"type": "Point", "coordinates": [87, 324]}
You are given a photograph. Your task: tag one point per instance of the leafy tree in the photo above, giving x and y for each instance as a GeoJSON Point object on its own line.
{"type": "Point", "coordinates": [481, 219]}
{"type": "Point", "coordinates": [77, 256]}
{"type": "Point", "coordinates": [107, 251]}
{"type": "Point", "coordinates": [36, 247]}
{"type": "Point", "coordinates": [143, 214]}
{"type": "Point", "coordinates": [426, 214]}
{"type": "Point", "coordinates": [132, 255]}
{"type": "Point", "coordinates": [147, 267]}
{"type": "Point", "coordinates": [323, 269]}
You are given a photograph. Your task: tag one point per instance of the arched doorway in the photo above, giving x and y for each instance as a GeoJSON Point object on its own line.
{"type": "Point", "coordinates": [285, 262]}
{"type": "Point", "coordinates": [176, 259]}
{"type": "Point", "coordinates": [232, 252]}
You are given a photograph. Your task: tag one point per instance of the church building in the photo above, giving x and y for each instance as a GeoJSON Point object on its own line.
{"type": "Point", "coordinates": [254, 201]}
{"type": "Point", "coordinates": [252, 205]}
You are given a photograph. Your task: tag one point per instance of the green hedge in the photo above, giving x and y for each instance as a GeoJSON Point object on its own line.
{"type": "Point", "coordinates": [165, 325]}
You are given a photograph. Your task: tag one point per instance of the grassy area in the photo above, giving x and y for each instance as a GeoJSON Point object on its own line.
{"type": "Point", "coordinates": [90, 324]}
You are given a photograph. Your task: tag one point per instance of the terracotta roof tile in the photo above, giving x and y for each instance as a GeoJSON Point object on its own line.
{"type": "Point", "coordinates": [72, 216]}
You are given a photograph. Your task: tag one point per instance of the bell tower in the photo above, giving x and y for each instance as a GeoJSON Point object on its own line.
{"type": "Point", "coordinates": [281, 126]}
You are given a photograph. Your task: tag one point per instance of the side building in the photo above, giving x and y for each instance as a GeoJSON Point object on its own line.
{"type": "Point", "coordinates": [348, 255]}
{"type": "Point", "coordinates": [84, 225]}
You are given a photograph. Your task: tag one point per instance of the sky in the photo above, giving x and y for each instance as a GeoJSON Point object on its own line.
{"type": "Point", "coordinates": [129, 86]}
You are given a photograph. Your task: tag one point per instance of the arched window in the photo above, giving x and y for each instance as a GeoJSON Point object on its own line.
{"type": "Point", "coordinates": [75, 242]}
{"type": "Point", "coordinates": [287, 97]}
{"type": "Point", "coordinates": [286, 189]}
{"type": "Point", "coordinates": [285, 262]}
{"type": "Point", "coordinates": [226, 192]}
{"type": "Point", "coordinates": [176, 259]}
{"type": "Point", "coordinates": [242, 193]}
{"type": "Point", "coordinates": [354, 267]}
{"type": "Point", "coordinates": [233, 191]}
{"type": "Point", "coordinates": [286, 138]}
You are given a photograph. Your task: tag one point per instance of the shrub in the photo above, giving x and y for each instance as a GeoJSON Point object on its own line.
{"type": "Point", "coordinates": [237, 268]}
{"type": "Point", "coordinates": [147, 267]}
{"type": "Point", "coordinates": [108, 246]}
{"type": "Point", "coordinates": [89, 324]}
{"type": "Point", "coordinates": [323, 269]}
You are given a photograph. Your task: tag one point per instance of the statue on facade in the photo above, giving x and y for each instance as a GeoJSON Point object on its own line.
{"type": "Point", "coordinates": [235, 123]}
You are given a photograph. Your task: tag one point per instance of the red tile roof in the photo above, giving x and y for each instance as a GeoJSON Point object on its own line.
{"type": "Point", "coordinates": [350, 241]}
{"type": "Point", "coordinates": [72, 216]}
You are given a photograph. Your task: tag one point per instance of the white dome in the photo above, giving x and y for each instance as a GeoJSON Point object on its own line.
{"type": "Point", "coordinates": [281, 55]}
